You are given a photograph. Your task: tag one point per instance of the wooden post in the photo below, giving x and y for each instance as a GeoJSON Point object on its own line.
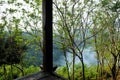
{"type": "Point", "coordinates": [47, 36]}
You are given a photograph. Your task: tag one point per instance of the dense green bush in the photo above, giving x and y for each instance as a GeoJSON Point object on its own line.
{"type": "Point", "coordinates": [62, 71]}
{"type": "Point", "coordinates": [9, 72]}
{"type": "Point", "coordinates": [90, 72]}
{"type": "Point", "coordinates": [31, 69]}
{"type": "Point", "coordinates": [12, 46]}
{"type": "Point", "coordinates": [15, 71]}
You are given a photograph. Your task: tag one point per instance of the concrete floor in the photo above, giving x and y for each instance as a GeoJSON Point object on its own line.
{"type": "Point", "coordinates": [42, 76]}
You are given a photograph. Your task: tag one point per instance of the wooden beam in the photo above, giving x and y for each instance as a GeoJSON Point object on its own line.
{"type": "Point", "coordinates": [47, 36]}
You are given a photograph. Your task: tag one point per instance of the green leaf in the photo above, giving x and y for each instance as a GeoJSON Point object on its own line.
{"type": "Point", "coordinates": [12, 10]}
{"type": "Point", "coordinates": [105, 2]}
{"type": "Point", "coordinates": [115, 6]}
{"type": "Point", "coordinates": [11, 1]}
{"type": "Point", "coordinates": [32, 15]}
{"type": "Point", "coordinates": [27, 1]}
{"type": "Point", "coordinates": [39, 2]}
{"type": "Point", "coordinates": [85, 1]}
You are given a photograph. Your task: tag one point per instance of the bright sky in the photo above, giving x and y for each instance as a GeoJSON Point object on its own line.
{"type": "Point", "coordinates": [18, 14]}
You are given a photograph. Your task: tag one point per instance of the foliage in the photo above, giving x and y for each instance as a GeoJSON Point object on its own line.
{"type": "Point", "coordinates": [76, 22]}
{"type": "Point", "coordinates": [31, 69]}
{"type": "Point", "coordinates": [16, 72]}
{"type": "Point", "coordinates": [90, 72]}
{"type": "Point", "coordinates": [62, 71]}
{"type": "Point", "coordinates": [107, 39]}
{"type": "Point", "coordinates": [12, 47]}
{"type": "Point", "coordinates": [72, 24]}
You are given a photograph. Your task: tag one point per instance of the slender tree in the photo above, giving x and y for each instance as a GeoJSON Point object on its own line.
{"type": "Point", "coordinates": [74, 25]}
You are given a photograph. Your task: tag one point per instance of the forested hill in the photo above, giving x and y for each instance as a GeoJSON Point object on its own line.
{"type": "Point", "coordinates": [33, 55]}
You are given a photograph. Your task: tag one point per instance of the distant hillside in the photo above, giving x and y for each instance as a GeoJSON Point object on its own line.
{"type": "Point", "coordinates": [34, 57]}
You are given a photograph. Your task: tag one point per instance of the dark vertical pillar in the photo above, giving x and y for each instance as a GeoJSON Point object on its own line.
{"type": "Point", "coordinates": [47, 36]}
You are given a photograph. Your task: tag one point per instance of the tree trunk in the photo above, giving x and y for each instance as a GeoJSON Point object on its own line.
{"type": "Point", "coordinates": [73, 74]}
{"type": "Point", "coordinates": [5, 72]}
{"type": "Point", "coordinates": [114, 76]}
{"type": "Point", "coordinates": [66, 61]}
{"type": "Point", "coordinates": [83, 68]}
